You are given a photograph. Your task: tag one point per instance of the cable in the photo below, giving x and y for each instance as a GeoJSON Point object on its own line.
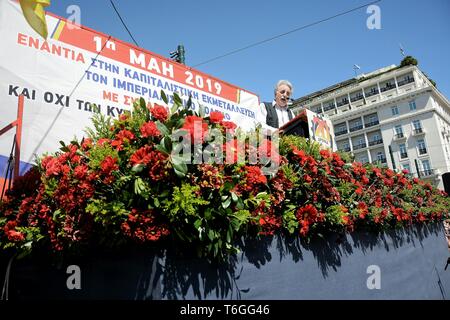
{"type": "Point", "coordinates": [123, 22]}
{"type": "Point", "coordinates": [283, 34]}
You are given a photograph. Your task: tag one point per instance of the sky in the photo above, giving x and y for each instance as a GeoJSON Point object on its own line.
{"type": "Point", "coordinates": [312, 58]}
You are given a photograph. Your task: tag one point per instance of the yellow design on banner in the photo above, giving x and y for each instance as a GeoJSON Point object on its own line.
{"type": "Point", "coordinates": [59, 28]}
{"type": "Point", "coordinates": [34, 13]}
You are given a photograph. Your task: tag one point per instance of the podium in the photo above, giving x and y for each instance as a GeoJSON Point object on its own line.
{"type": "Point", "coordinates": [297, 126]}
{"type": "Point", "coordinates": [312, 126]}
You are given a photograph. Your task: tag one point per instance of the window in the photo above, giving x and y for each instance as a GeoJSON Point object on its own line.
{"type": "Point", "coordinates": [376, 137]}
{"type": "Point", "coordinates": [412, 105]}
{"type": "Point", "coordinates": [398, 131]}
{"type": "Point", "coordinates": [403, 152]}
{"type": "Point", "coordinates": [426, 168]}
{"type": "Point", "coordinates": [422, 146]}
{"type": "Point", "coordinates": [394, 110]}
{"type": "Point", "coordinates": [417, 124]}
{"type": "Point", "coordinates": [380, 156]}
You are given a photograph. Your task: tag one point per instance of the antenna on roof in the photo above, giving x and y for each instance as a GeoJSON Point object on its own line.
{"type": "Point", "coordinates": [401, 49]}
{"type": "Point", "coordinates": [356, 67]}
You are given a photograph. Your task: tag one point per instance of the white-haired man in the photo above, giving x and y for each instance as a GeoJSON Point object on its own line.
{"type": "Point", "coordinates": [276, 113]}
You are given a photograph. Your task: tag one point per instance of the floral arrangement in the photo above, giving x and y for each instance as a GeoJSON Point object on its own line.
{"type": "Point", "coordinates": [155, 174]}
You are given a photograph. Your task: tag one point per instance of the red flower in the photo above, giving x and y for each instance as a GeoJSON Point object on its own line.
{"type": "Point", "coordinates": [108, 165]}
{"type": "Point", "coordinates": [159, 112]}
{"type": "Point", "coordinates": [123, 117]}
{"type": "Point", "coordinates": [86, 144]}
{"type": "Point", "coordinates": [196, 128]}
{"type": "Point", "coordinates": [229, 125]}
{"type": "Point", "coordinates": [158, 166]}
{"type": "Point", "coordinates": [142, 226]}
{"type": "Point", "coordinates": [215, 117]}
{"type": "Point", "coordinates": [80, 172]}
{"type": "Point", "coordinates": [141, 156]}
{"type": "Point", "coordinates": [53, 167]}
{"type": "Point", "coordinates": [149, 129]}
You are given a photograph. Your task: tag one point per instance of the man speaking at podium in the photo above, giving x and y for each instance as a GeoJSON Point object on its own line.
{"type": "Point", "coordinates": [276, 113]}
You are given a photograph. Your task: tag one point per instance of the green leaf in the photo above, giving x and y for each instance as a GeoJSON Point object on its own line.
{"type": "Point", "coordinates": [234, 197]}
{"type": "Point", "coordinates": [162, 128]}
{"type": "Point", "coordinates": [179, 165]}
{"type": "Point", "coordinates": [138, 167]}
{"type": "Point", "coordinates": [161, 148]}
{"type": "Point", "coordinates": [189, 102]}
{"type": "Point", "coordinates": [164, 97]}
{"type": "Point", "coordinates": [156, 202]}
{"type": "Point", "coordinates": [64, 147]}
{"type": "Point", "coordinates": [226, 203]}
{"type": "Point", "coordinates": [177, 99]}
{"type": "Point", "coordinates": [167, 141]}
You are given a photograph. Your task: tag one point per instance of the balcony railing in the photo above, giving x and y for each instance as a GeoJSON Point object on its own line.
{"type": "Point", "coordinates": [371, 93]}
{"type": "Point", "coordinates": [357, 127]}
{"type": "Point", "coordinates": [359, 146]}
{"type": "Point", "coordinates": [422, 151]}
{"type": "Point", "coordinates": [346, 149]}
{"type": "Point", "coordinates": [387, 87]}
{"type": "Point", "coordinates": [375, 142]}
{"type": "Point", "coordinates": [381, 159]}
{"type": "Point", "coordinates": [340, 132]}
{"type": "Point", "coordinates": [399, 135]}
{"type": "Point", "coordinates": [418, 131]}
{"type": "Point", "coordinates": [405, 81]}
{"type": "Point", "coordinates": [342, 103]}
{"type": "Point", "coordinates": [426, 173]}
{"type": "Point", "coordinates": [403, 155]}
{"type": "Point", "coordinates": [372, 123]}
{"type": "Point", "coordinates": [329, 107]}
{"type": "Point", "coordinates": [359, 97]}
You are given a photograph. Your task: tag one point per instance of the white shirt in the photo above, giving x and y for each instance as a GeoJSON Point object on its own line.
{"type": "Point", "coordinates": [282, 113]}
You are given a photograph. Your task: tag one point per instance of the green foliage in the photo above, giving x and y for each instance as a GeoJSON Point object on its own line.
{"type": "Point", "coordinates": [102, 125]}
{"type": "Point", "coordinates": [98, 153]}
{"type": "Point", "coordinates": [409, 60]}
{"type": "Point", "coordinates": [301, 143]}
{"type": "Point", "coordinates": [184, 202]}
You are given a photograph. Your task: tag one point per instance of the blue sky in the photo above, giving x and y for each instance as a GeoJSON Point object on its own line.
{"type": "Point", "coordinates": [311, 59]}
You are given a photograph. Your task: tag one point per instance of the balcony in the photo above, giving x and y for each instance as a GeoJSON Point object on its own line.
{"type": "Point", "coordinates": [356, 98]}
{"type": "Point", "coordinates": [372, 123]}
{"type": "Point", "coordinates": [387, 87]}
{"type": "Point", "coordinates": [359, 146]}
{"type": "Point", "coordinates": [403, 155]}
{"type": "Point", "coordinates": [422, 151]}
{"type": "Point", "coordinates": [329, 107]}
{"type": "Point", "coordinates": [418, 131]}
{"type": "Point", "coordinates": [341, 132]}
{"type": "Point", "coordinates": [375, 142]}
{"type": "Point", "coordinates": [371, 93]}
{"type": "Point", "coordinates": [342, 103]}
{"type": "Point", "coordinates": [380, 160]}
{"type": "Point", "coordinates": [399, 136]}
{"type": "Point", "coordinates": [345, 149]}
{"type": "Point", "coordinates": [405, 81]}
{"type": "Point", "coordinates": [426, 173]}
{"type": "Point", "coordinates": [355, 128]}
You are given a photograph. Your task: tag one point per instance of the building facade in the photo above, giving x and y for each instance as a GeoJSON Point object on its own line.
{"type": "Point", "coordinates": [393, 116]}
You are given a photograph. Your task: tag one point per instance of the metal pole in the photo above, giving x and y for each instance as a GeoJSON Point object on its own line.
{"type": "Point", "coordinates": [18, 137]}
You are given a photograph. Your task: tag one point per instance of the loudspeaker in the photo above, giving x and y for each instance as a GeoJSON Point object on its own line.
{"type": "Point", "coordinates": [446, 181]}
